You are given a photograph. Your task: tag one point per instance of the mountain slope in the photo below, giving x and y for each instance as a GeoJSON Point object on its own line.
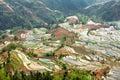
{"type": "Point", "coordinates": [108, 11]}
{"type": "Point", "coordinates": [25, 13]}
{"type": "Point", "coordinates": [69, 7]}
{"type": "Point", "coordinates": [35, 13]}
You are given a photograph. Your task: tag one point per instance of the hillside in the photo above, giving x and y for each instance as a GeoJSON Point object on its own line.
{"type": "Point", "coordinates": [41, 13]}
{"type": "Point", "coordinates": [25, 13]}
{"type": "Point", "coordinates": [59, 40]}
{"type": "Point", "coordinates": [35, 13]}
{"type": "Point", "coordinates": [76, 51]}
{"type": "Point", "coordinates": [107, 10]}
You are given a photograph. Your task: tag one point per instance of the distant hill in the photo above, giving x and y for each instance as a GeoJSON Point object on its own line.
{"type": "Point", "coordinates": [25, 13]}
{"type": "Point", "coordinates": [108, 11]}
{"type": "Point", "coordinates": [36, 13]}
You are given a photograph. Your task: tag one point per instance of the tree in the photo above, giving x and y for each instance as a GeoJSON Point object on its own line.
{"type": "Point", "coordinates": [60, 56]}
{"type": "Point", "coordinates": [15, 38]}
{"type": "Point", "coordinates": [63, 38]}
{"type": "Point", "coordinates": [60, 19]}
{"type": "Point", "coordinates": [3, 36]}
{"type": "Point", "coordinates": [23, 75]}
{"type": "Point", "coordinates": [83, 18]}
{"type": "Point", "coordinates": [64, 67]}
{"type": "Point", "coordinates": [8, 59]}
{"type": "Point", "coordinates": [10, 47]}
{"type": "Point", "coordinates": [65, 75]}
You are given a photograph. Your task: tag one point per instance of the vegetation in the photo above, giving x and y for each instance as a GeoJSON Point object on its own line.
{"type": "Point", "coordinates": [3, 76]}
{"type": "Point", "coordinates": [31, 76]}
{"type": "Point", "coordinates": [63, 38]}
{"type": "Point", "coordinates": [72, 75]}
{"type": "Point", "coordinates": [49, 54]}
{"type": "Point", "coordinates": [83, 18]}
{"type": "Point", "coordinates": [12, 46]}
{"type": "Point", "coordinates": [107, 12]}
{"type": "Point", "coordinates": [14, 29]}
{"type": "Point", "coordinates": [30, 14]}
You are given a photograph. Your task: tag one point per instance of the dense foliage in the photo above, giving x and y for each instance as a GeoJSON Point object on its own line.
{"type": "Point", "coordinates": [107, 12]}
{"type": "Point", "coordinates": [73, 75]}
{"type": "Point", "coordinates": [12, 46]}
{"type": "Point", "coordinates": [36, 13]}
